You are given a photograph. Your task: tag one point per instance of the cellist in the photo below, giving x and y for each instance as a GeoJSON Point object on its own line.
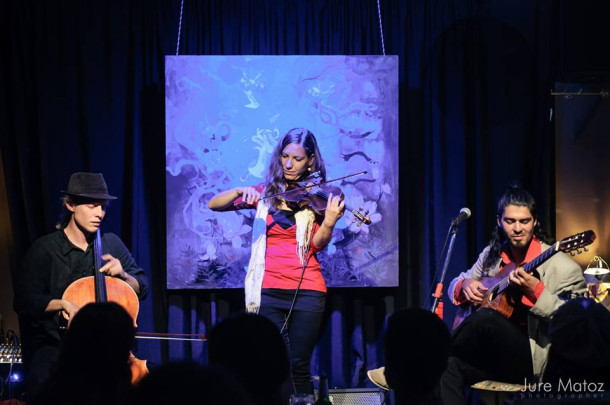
{"type": "Point", "coordinates": [54, 261]}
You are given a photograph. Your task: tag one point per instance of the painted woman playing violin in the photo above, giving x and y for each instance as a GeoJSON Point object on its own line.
{"type": "Point", "coordinates": [284, 272]}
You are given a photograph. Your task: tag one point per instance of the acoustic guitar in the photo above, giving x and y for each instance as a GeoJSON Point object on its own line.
{"type": "Point", "coordinates": [505, 298]}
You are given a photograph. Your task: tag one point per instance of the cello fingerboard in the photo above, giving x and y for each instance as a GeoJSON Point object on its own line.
{"type": "Point", "coordinates": [100, 280]}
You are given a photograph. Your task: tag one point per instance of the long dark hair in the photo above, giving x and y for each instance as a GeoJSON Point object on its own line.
{"type": "Point", "coordinates": [275, 174]}
{"type": "Point", "coordinates": [514, 195]}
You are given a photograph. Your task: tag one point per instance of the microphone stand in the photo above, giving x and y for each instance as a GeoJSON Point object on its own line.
{"type": "Point", "coordinates": [437, 305]}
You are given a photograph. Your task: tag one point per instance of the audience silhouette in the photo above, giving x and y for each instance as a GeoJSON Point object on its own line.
{"type": "Point", "coordinates": [249, 361]}
{"type": "Point", "coordinates": [580, 345]}
{"type": "Point", "coordinates": [416, 351]}
{"type": "Point", "coordinates": [92, 367]}
{"type": "Point", "coordinates": [578, 365]}
{"type": "Point", "coordinates": [251, 348]}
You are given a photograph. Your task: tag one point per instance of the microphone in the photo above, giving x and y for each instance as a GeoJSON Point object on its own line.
{"type": "Point", "coordinates": [464, 214]}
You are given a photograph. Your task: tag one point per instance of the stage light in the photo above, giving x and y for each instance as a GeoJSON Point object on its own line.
{"type": "Point", "coordinates": [15, 377]}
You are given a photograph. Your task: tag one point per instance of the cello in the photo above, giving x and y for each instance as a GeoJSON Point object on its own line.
{"type": "Point", "coordinates": [102, 288]}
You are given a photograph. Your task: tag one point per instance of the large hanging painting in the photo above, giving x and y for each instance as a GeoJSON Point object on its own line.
{"type": "Point", "coordinates": [224, 116]}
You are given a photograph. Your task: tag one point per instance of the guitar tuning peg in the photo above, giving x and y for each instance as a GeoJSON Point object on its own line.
{"type": "Point", "coordinates": [586, 249]}
{"type": "Point", "coordinates": [572, 254]}
{"type": "Point", "coordinates": [578, 251]}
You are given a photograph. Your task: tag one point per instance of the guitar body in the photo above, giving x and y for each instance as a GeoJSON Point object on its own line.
{"type": "Point", "coordinates": [504, 302]}
{"type": "Point", "coordinates": [507, 302]}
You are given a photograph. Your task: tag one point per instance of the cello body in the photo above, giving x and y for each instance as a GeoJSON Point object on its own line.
{"type": "Point", "coordinates": [102, 288]}
{"type": "Point", "coordinates": [82, 292]}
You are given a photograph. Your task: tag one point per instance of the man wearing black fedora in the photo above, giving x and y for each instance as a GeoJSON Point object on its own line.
{"type": "Point", "coordinates": [56, 260]}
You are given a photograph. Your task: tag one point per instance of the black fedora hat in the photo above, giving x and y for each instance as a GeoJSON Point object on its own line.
{"type": "Point", "coordinates": [88, 185]}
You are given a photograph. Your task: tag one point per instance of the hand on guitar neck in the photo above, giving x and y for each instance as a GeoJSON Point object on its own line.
{"type": "Point", "coordinates": [525, 281]}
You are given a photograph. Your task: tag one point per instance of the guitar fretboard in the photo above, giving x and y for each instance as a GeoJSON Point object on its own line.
{"type": "Point", "coordinates": [529, 267]}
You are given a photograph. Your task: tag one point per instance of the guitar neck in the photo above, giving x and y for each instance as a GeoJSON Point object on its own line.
{"type": "Point", "coordinates": [530, 266]}
{"type": "Point", "coordinates": [541, 258]}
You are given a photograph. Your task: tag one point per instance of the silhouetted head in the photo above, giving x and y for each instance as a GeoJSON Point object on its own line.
{"type": "Point", "coordinates": [250, 346]}
{"type": "Point", "coordinates": [93, 363]}
{"type": "Point", "coordinates": [416, 350]}
{"type": "Point", "coordinates": [101, 335]}
{"type": "Point", "coordinates": [580, 342]}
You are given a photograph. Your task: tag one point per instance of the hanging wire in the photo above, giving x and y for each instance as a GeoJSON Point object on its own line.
{"type": "Point", "coordinates": [179, 27]}
{"type": "Point", "coordinates": [380, 27]}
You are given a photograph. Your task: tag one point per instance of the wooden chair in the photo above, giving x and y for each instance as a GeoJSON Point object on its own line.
{"type": "Point", "coordinates": [494, 392]}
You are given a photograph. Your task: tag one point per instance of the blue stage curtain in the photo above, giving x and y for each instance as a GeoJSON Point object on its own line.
{"type": "Point", "coordinates": [83, 90]}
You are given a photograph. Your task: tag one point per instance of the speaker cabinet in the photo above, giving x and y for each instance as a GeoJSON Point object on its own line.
{"type": "Point", "coordinates": [357, 396]}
